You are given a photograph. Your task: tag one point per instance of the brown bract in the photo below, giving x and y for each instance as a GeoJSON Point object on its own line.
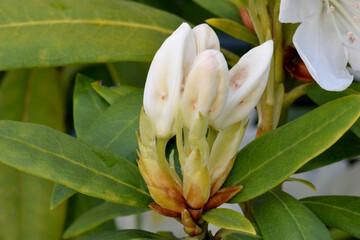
{"type": "Point", "coordinates": [295, 66]}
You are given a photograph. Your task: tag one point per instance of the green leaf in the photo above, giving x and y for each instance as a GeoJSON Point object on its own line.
{"type": "Point", "coordinates": [111, 126]}
{"type": "Point", "coordinates": [80, 204]}
{"type": "Point", "coordinates": [342, 212]}
{"type": "Point", "coordinates": [37, 96]}
{"type": "Point", "coordinates": [54, 33]}
{"type": "Point", "coordinates": [240, 3]}
{"type": "Point", "coordinates": [123, 235]}
{"type": "Point", "coordinates": [115, 129]}
{"type": "Point", "coordinates": [220, 8]}
{"type": "Point", "coordinates": [229, 219]}
{"type": "Point", "coordinates": [233, 235]}
{"type": "Point", "coordinates": [111, 94]}
{"type": "Point", "coordinates": [99, 214]}
{"type": "Point", "coordinates": [321, 96]}
{"type": "Point", "coordinates": [270, 159]}
{"type": "Point", "coordinates": [86, 168]}
{"type": "Point", "coordinates": [234, 29]}
{"type": "Point", "coordinates": [88, 105]}
{"type": "Point", "coordinates": [305, 182]}
{"type": "Point", "coordinates": [280, 216]}
{"type": "Point", "coordinates": [348, 146]}
{"type": "Point", "coordinates": [60, 194]}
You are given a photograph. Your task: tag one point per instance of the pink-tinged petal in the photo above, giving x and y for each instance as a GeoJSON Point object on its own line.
{"type": "Point", "coordinates": [293, 11]}
{"type": "Point", "coordinates": [248, 79]}
{"type": "Point", "coordinates": [205, 38]}
{"type": "Point", "coordinates": [206, 87]}
{"type": "Point", "coordinates": [163, 84]}
{"type": "Point", "coordinates": [323, 53]}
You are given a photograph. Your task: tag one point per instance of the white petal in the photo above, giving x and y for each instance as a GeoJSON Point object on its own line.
{"type": "Point", "coordinates": [163, 83]}
{"type": "Point", "coordinates": [345, 18]}
{"type": "Point", "coordinates": [354, 55]}
{"type": "Point", "coordinates": [325, 56]}
{"type": "Point", "coordinates": [248, 79]}
{"type": "Point", "coordinates": [293, 11]}
{"type": "Point", "coordinates": [206, 87]}
{"type": "Point", "coordinates": [205, 38]}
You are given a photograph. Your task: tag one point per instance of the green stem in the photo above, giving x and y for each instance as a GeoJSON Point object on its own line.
{"type": "Point", "coordinates": [294, 94]}
{"type": "Point", "coordinates": [138, 221]}
{"type": "Point", "coordinates": [289, 99]}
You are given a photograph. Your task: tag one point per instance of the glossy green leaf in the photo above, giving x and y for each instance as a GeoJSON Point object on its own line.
{"type": "Point", "coordinates": [240, 3]}
{"type": "Point", "coordinates": [234, 29]}
{"type": "Point", "coordinates": [305, 182]}
{"type": "Point", "coordinates": [37, 96]}
{"type": "Point", "coordinates": [60, 194]}
{"type": "Point", "coordinates": [348, 146]}
{"type": "Point", "coordinates": [88, 105]}
{"type": "Point", "coordinates": [80, 204]}
{"type": "Point", "coordinates": [229, 219]}
{"type": "Point", "coordinates": [110, 94]}
{"type": "Point", "coordinates": [98, 215]}
{"type": "Point", "coordinates": [321, 96]}
{"type": "Point", "coordinates": [341, 212]}
{"type": "Point", "coordinates": [234, 235]}
{"type": "Point", "coordinates": [112, 126]}
{"type": "Point", "coordinates": [280, 216]}
{"type": "Point", "coordinates": [124, 235]}
{"type": "Point", "coordinates": [220, 8]}
{"type": "Point", "coordinates": [39, 33]}
{"type": "Point", "coordinates": [270, 159]}
{"type": "Point", "coordinates": [87, 168]}
{"type": "Point", "coordinates": [115, 129]}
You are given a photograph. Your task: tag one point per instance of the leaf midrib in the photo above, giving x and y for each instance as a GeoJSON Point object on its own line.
{"type": "Point", "coordinates": [291, 146]}
{"type": "Point", "coordinates": [122, 130]}
{"type": "Point", "coordinates": [101, 22]}
{"type": "Point", "coordinates": [76, 163]}
{"type": "Point", "coordinates": [290, 213]}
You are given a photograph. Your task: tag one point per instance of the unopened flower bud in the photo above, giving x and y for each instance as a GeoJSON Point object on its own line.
{"type": "Point", "coordinates": [196, 187]}
{"type": "Point", "coordinates": [248, 79]}
{"type": "Point", "coordinates": [206, 87]}
{"type": "Point", "coordinates": [205, 38]}
{"type": "Point", "coordinates": [163, 84]}
{"type": "Point", "coordinates": [223, 154]}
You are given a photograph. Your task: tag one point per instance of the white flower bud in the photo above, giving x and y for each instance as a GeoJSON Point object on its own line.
{"type": "Point", "coordinates": [206, 87]}
{"type": "Point", "coordinates": [163, 84]}
{"type": "Point", "coordinates": [205, 38]}
{"type": "Point", "coordinates": [248, 79]}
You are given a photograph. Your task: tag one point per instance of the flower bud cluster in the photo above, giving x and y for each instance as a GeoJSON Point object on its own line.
{"type": "Point", "coordinates": [191, 94]}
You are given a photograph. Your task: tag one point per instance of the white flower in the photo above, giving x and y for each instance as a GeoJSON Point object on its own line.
{"type": "Point", "coordinates": [206, 87]}
{"type": "Point", "coordinates": [168, 72]}
{"type": "Point", "coordinates": [327, 39]}
{"type": "Point", "coordinates": [163, 84]}
{"type": "Point", "coordinates": [248, 79]}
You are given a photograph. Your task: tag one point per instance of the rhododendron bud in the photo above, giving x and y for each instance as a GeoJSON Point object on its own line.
{"type": "Point", "coordinates": [206, 87]}
{"type": "Point", "coordinates": [205, 38]}
{"type": "Point", "coordinates": [248, 79]}
{"type": "Point", "coordinates": [163, 84]}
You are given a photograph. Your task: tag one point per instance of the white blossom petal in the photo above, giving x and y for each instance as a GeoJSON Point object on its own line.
{"type": "Point", "coordinates": [206, 87]}
{"type": "Point", "coordinates": [248, 79]}
{"type": "Point", "coordinates": [167, 71]}
{"type": "Point", "coordinates": [319, 46]}
{"type": "Point", "coordinates": [205, 38]}
{"type": "Point", "coordinates": [293, 11]}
